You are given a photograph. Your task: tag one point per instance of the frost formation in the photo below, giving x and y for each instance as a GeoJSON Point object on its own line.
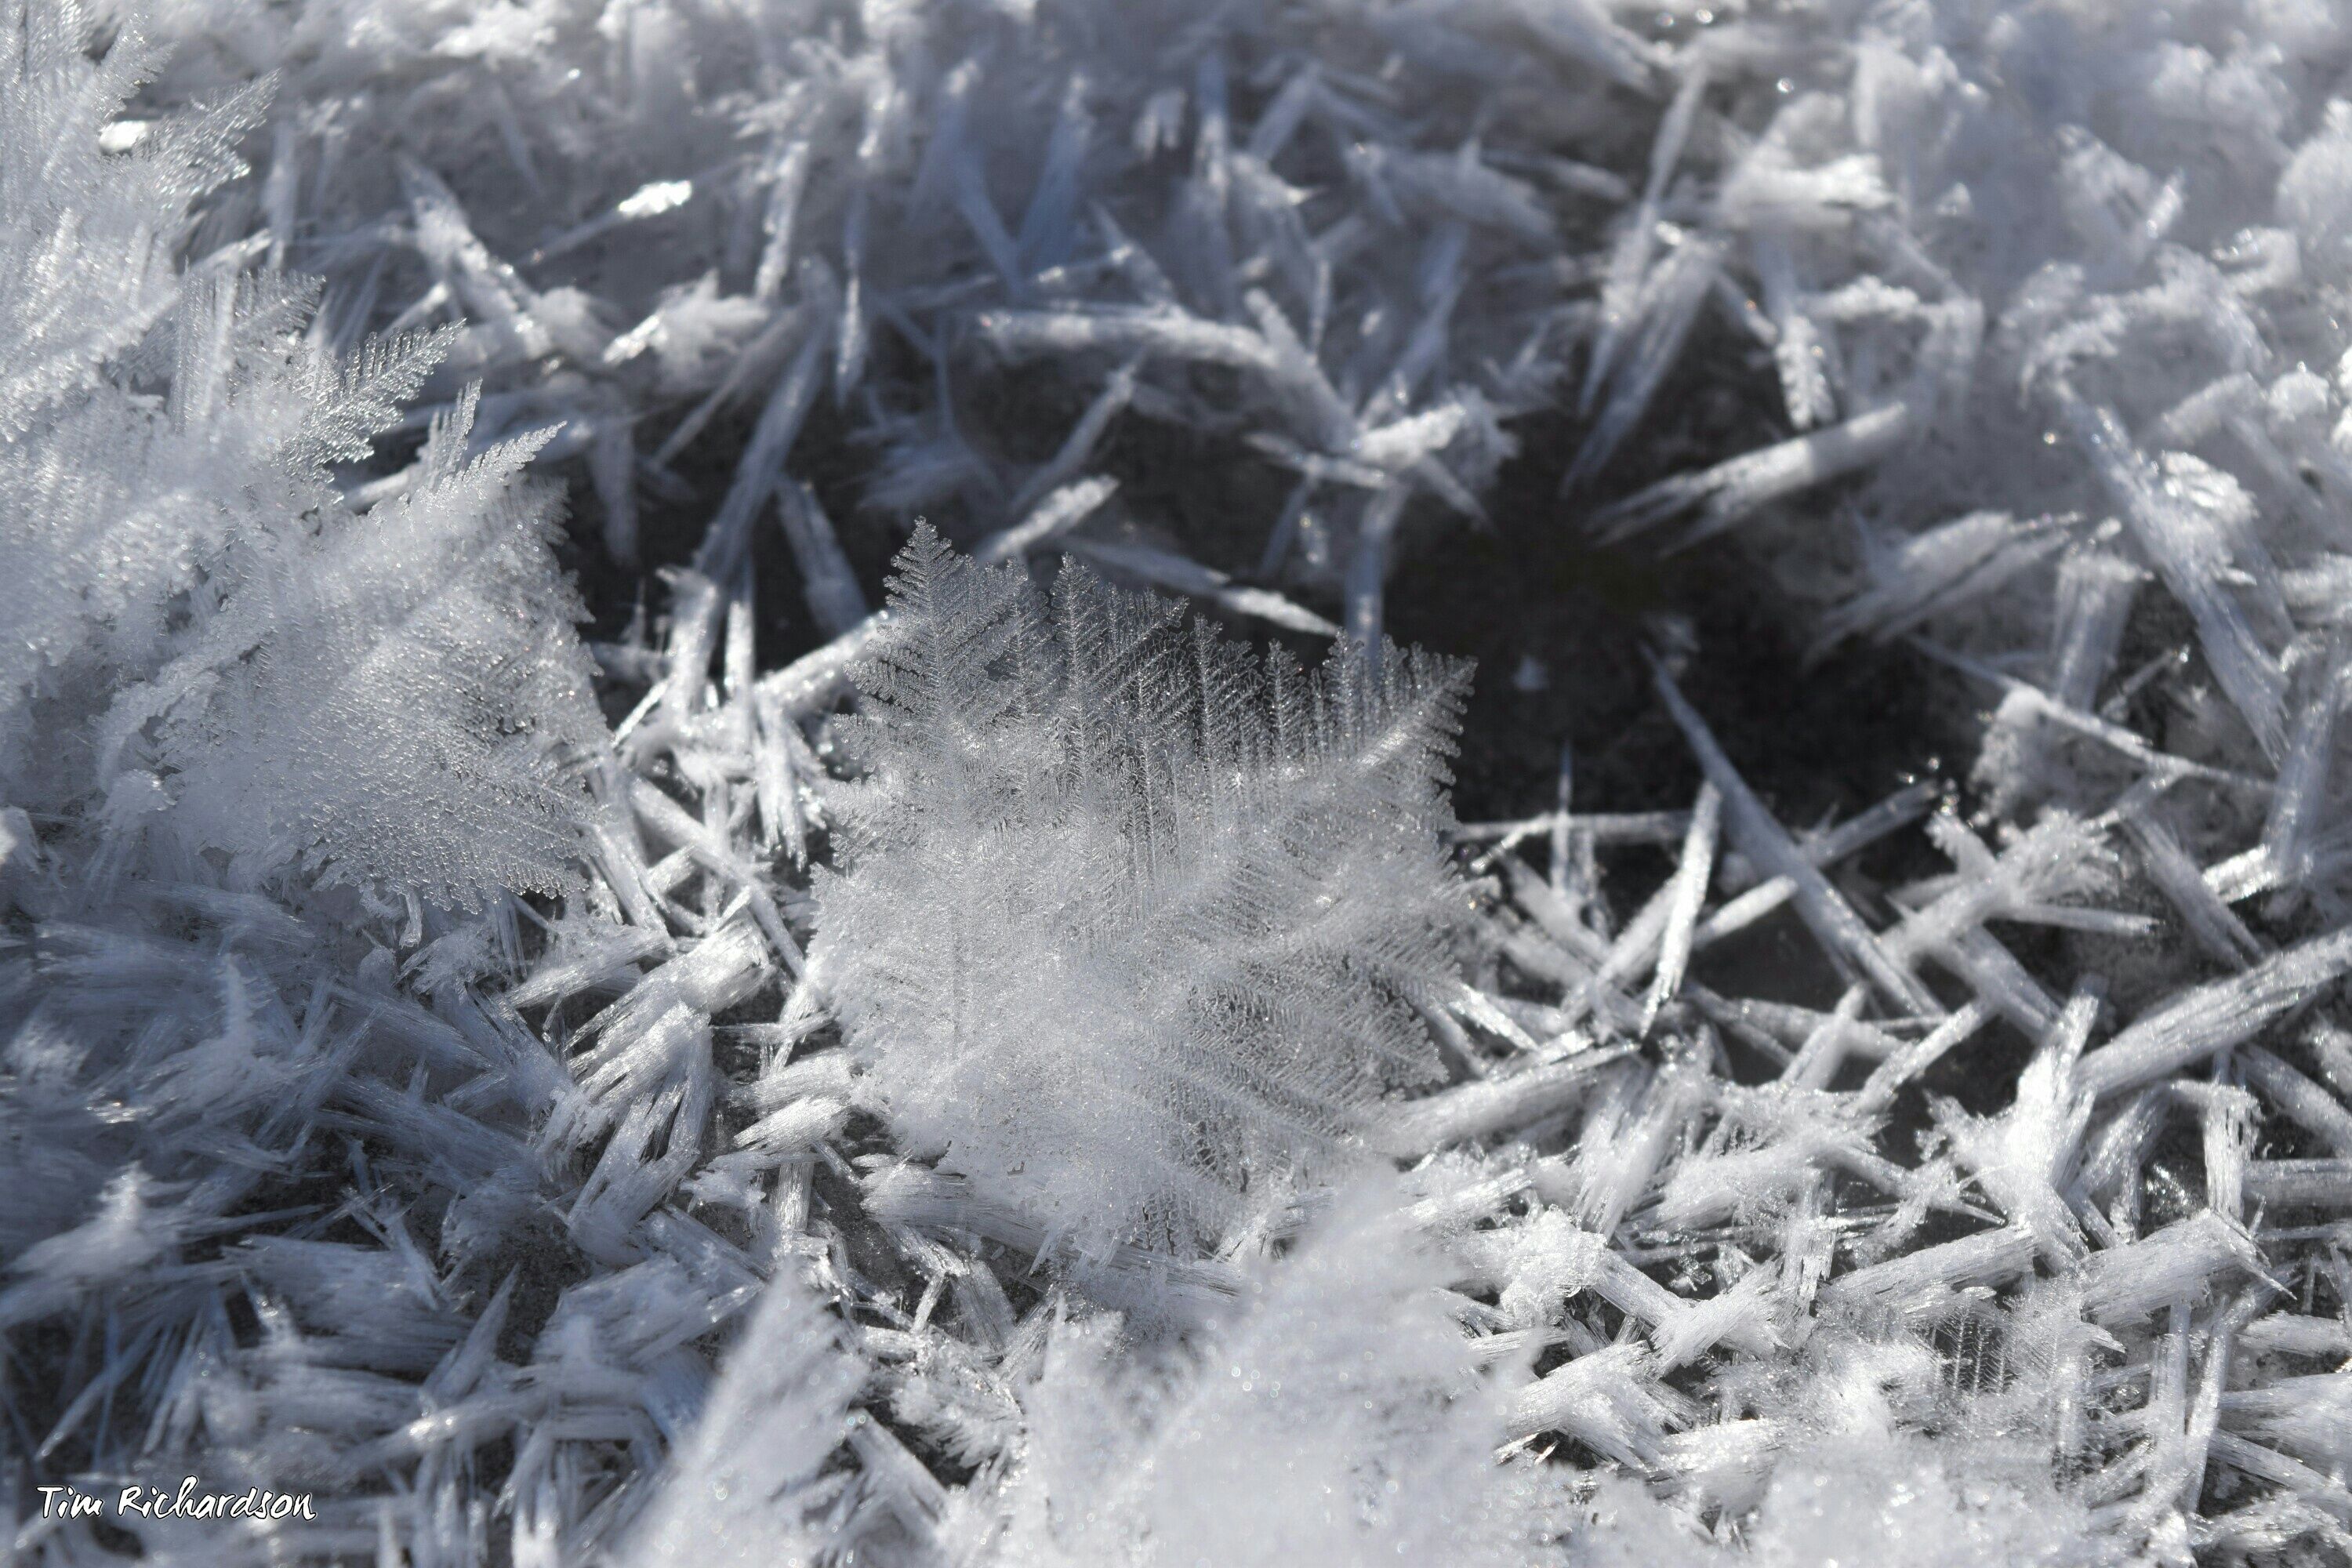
{"type": "Point", "coordinates": [1016, 1077]}
{"type": "Point", "coordinates": [1198, 992]}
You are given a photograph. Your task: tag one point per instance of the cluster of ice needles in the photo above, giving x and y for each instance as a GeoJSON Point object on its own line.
{"type": "Point", "coordinates": [1023, 1065]}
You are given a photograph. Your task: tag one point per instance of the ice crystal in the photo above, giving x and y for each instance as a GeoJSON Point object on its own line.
{"type": "Point", "coordinates": [209, 643]}
{"type": "Point", "coordinates": [1994, 1216]}
{"type": "Point", "coordinates": [1130, 926]}
{"type": "Point", "coordinates": [1338, 1416]}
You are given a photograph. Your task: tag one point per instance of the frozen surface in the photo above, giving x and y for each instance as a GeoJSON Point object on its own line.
{"type": "Point", "coordinates": [999, 1066]}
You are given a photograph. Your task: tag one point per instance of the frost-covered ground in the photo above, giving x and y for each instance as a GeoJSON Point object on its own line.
{"type": "Point", "coordinates": [547, 1011]}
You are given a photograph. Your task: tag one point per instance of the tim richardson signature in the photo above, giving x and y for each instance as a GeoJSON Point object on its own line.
{"type": "Point", "coordinates": [189, 1500]}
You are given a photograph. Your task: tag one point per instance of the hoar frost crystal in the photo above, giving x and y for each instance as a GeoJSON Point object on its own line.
{"type": "Point", "coordinates": [1028, 1080]}
{"type": "Point", "coordinates": [1132, 926]}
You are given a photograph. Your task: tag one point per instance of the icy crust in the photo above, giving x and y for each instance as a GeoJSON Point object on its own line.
{"type": "Point", "coordinates": [620, 1230]}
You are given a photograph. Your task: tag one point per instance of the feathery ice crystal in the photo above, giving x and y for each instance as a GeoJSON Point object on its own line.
{"type": "Point", "coordinates": [208, 642]}
{"type": "Point", "coordinates": [1130, 926]}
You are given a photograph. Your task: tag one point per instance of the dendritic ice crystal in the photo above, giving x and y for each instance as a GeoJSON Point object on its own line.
{"type": "Point", "coordinates": [1130, 925]}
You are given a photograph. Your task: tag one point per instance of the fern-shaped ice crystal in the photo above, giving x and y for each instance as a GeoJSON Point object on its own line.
{"type": "Point", "coordinates": [1131, 925]}
{"type": "Point", "coordinates": [209, 647]}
